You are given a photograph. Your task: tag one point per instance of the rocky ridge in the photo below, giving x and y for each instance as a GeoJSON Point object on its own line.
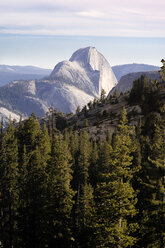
{"type": "Point", "coordinates": [126, 82]}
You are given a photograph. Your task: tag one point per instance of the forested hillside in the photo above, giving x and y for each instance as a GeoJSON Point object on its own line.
{"type": "Point", "coordinates": [60, 187]}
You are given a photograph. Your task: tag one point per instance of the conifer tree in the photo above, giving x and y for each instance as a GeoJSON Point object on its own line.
{"type": "Point", "coordinates": [36, 188]}
{"type": "Point", "coordinates": [162, 71]}
{"type": "Point", "coordinates": [44, 145]}
{"type": "Point", "coordinates": [103, 161]}
{"type": "Point", "coordinates": [95, 102]}
{"type": "Point", "coordinates": [90, 105]}
{"type": "Point", "coordinates": [108, 137]}
{"type": "Point", "coordinates": [94, 164]}
{"type": "Point", "coordinates": [115, 197]}
{"type": "Point", "coordinates": [74, 144]}
{"type": "Point", "coordinates": [8, 188]}
{"type": "Point", "coordinates": [29, 133]}
{"type": "Point", "coordinates": [84, 197]}
{"type": "Point", "coordinates": [60, 195]}
{"type": "Point", "coordinates": [32, 183]}
{"type": "Point", "coordinates": [32, 194]}
{"type": "Point", "coordinates": [116, 94]}
{"type": "Point", "coordinates": [136, 152]}
{"type": "Point", "coordinates": [139, 90]}
{"type": "Point", "coordinates": [23, 199]}
{"type": "Point", "coordinates": [66, 136]}
{"type": "Point", "coordinates": [103, 95]}
{"type": "Point", "coordinates": [153, 211]}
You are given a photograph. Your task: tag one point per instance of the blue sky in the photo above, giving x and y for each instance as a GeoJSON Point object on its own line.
{"type": "Point", "coordinates": [44, 32]}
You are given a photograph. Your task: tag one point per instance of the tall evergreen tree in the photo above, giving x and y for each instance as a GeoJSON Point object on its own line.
{"type": "Point", "coordinates": [94, 164]}
{"type": "Point", "coordinates": [8, 188]}
{"type": "Point", "coordinates": [44, 146]}
{"type": "Point", "coordinates": [23, 213]}
{"type": "Point", "coordinates": [60, 195]}
{"type": "Point", "coordinates": [28, 134]}
{"type": "Point", "coordinates": [84, 196]}
{"type": "Point", "coordinates": [103, 161]}
{"type": "Point", "coordinates": [153, 209]}
{"type": "Point", "coordinates": [103, 95]}
{"type": "Point", "coordinates": [162, 71]}
{"type": "Point", "coordinates": [32, 183]}
{"type": "Point", "coordinates": [115, 196]}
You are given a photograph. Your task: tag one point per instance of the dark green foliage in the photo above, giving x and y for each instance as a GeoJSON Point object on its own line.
{"type": "Point", "coordinates": [151, 196]}
{"type": "Point", "coordinates": [60, 195]}
{"type": "Point", "coordinates": [139, 90]}
{"type": "Point", "coordinates": [60, 122]}
{"type": "Point", "coordinates": [67, 190]}
{"type": "Point", "coordinates": [84, 110]}
{"type": "Point", "coordinates": [90, 105]}
{"type": "Point", "coordinates": [105, 113]}
{"type": "Point", "coordinates": [103, 95]}
{"type": "Point", "coordinates": [33, 179]}
{"type": "Point", "coordinates": [108, 137]}
{"type": "Point", "coordinates": [115, 196]}
{"type": "Point", "coordinates": [94, 166]}
{"type": "Point", "coordinates": [95, 103]}
{"type": "Point", "coordinates": [144, 93]}
{"type": "Point", "coordinates": [162, 71]}
{"type": "Point", "coordinates": [86, 123]}
{"type": "Point", "coordinates": [84, 195]}
{"type": "Point", "coordinates": [8, 188]}
{"type": "Point", "coordinates": [116, 94]}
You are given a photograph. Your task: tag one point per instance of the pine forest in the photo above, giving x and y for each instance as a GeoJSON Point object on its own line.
{"type": "Point", "coordinates": [61, 188]}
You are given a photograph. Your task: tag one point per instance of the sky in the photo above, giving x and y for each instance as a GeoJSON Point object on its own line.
{"type": "Point", "coordinates": [45, 32]}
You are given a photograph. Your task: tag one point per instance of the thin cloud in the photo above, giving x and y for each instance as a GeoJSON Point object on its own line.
{"type": "Point", "coordinates": [91, 13]}
{"type": "Point", "coordinates": [84, 17]}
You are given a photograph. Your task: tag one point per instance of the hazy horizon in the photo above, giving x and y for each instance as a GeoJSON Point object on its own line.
{"type": "Point", "coordinates": [47, 51]}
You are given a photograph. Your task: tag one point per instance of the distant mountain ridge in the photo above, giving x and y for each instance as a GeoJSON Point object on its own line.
{"type": "Point", "coordinates": [10, 73]}
{"type": "Point", "coordinates": [126, 82]}
{"type": "Point", "coordinates": [121, 70]}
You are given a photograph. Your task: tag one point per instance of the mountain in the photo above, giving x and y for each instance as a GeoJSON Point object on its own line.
{"type": "Point", "coordinates": [126, 82]}
{"type": "Point", "coordinates": [71, 84]}
{"type": "Point", "coordinates": [11, 73]}
{"type": "Point", "coordinates": [121, 70]}
{"type": "Point", "coordinates": [88, 70]}
{"type": "Point", "coordinates": [75, 82]}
